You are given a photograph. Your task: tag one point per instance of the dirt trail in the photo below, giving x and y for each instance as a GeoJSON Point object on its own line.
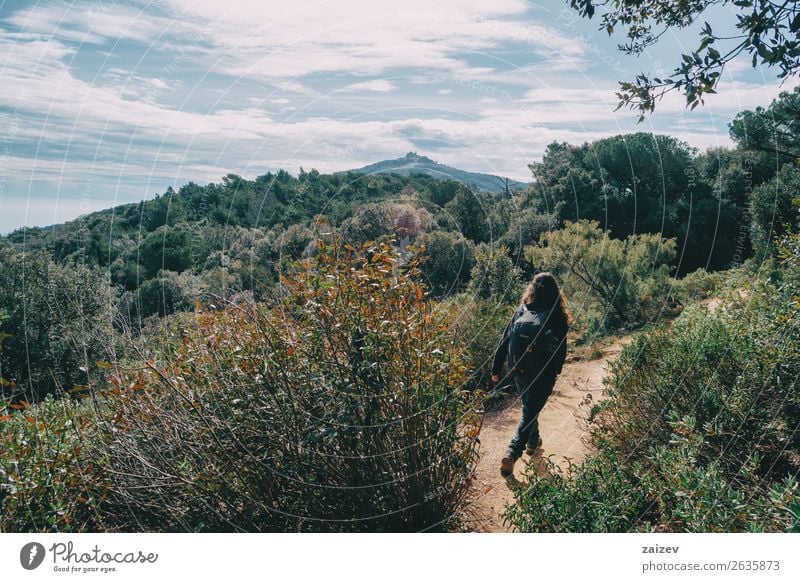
{"type": "Point", "coordinates": [563, 424]}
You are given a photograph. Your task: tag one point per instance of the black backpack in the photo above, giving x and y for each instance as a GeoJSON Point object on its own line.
{"type": "Point", "coordinates": [532, 345]}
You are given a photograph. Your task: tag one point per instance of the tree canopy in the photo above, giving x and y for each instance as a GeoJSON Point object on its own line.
{"type": "Point", "coordinates": [774, 129]}
{"type": "Point", "coordinates": [640, 183]}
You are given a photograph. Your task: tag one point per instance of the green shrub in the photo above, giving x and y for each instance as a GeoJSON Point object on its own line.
{"type": "Point", "coordinates": [49, 479]}
{"type": "Point", "coordinates": [731, 372]}
{"type": "Point", "coordinates": [673, 491]}
{"type": "Point", "coordinates": [169, 248]}
{"type": "Point", "coordinates": [697, 285]}
{"type": "Point", "coordinates": [595, 496]}
{"type": "Point", "coordinates": [476, 326]}
{"type": "Point", "coordinates": [57, 324]}
{"type": "Point", "coordinates": [494, 276]}
{"type": "Point", "coordinates": [614, 281]}
{"type": "Point", "coordinates": [369, 223]}
{"type": "Point", "coordinates": [449, 264]}
{"type": "Point", "coordinates": [525, 228]}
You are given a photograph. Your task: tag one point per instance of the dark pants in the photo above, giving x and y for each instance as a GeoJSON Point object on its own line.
{"type": "Point", "coordinates": [533, 393]}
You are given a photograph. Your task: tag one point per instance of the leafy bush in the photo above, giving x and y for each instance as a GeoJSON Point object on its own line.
{"type": "Point", "coordinates": [674, 493]}
{"type": "Point", "coordinates": [525, 228]}
{"type": "Point", "coordinates": [449, 263]}
{"type": "Point", "coordinates": [619, 282]}
{"type": "Point", "coordinates": [161, 296]}
{"type": "Point", "coordinates": [729, 372]}
{"type": "Point", "coordinates": [171, 249]}
{"type": "Point", "coordinates": [339, 408]}
{"type": "Point", "coordinates": [57, 324]}
{"type": "Point", "coordinates": [369, 223]}
{"type": "Point", "coordinates": [49, 479]}
{"type": "Point", "coordinates": [494, 276]}
{"type": "Point", "coordinates": [595, 496]}
{"type": "Point", "coordinates": [697, 285]}
{"type": "Point", "coordinates": [476, 326]}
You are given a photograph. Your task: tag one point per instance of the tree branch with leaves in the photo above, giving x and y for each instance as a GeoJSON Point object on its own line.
{"type": "Point", "coordinates": [765, 31]}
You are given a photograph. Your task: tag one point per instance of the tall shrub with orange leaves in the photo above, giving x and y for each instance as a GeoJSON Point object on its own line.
{"type": "Point", "coordinates": [338, 408]}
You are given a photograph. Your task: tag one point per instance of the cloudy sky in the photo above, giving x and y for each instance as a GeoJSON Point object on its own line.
{"type": "Point", "coordinates": [105, 101]}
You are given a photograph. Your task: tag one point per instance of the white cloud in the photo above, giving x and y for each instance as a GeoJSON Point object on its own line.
{"type": "Point", "coordinates": [95, 22]}
{"type": "Point", "coordinates": [290, 40]}
{"type": "Point", "coordinates": [295, 87]}
{"type": "Point", "coordinates": [376, 85]}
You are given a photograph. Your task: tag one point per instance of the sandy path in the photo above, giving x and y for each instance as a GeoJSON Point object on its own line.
{"type": "Point", "coordinates": [563, 424]}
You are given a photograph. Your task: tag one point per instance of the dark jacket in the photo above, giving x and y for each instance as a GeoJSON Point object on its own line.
{"type": "Point", "coordinates": [557, 325]}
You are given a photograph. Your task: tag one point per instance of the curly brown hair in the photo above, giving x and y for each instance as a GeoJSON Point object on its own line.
{"type": "Point", "coordinates": [543, 292]}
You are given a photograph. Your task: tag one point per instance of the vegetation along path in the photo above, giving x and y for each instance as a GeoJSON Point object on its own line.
{"type": "Point", "coordinates": [563, 423]}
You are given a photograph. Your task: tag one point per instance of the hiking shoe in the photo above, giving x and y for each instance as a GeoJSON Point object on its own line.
{"type": "Point", "coordinates": [531, 450]}
{"type": "Point", "coordinates": [507, 466]}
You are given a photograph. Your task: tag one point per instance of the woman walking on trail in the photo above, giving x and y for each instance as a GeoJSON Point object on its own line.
{"type": "Point", "coordinates": [535, 345]}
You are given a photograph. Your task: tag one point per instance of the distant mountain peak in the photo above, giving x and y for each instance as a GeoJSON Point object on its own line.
{"type": "Point", "coordinates": [414, 163]}
{"type": "Point", "coordinates": [414, 156]}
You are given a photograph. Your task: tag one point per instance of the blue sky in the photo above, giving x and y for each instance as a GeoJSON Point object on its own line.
{"type": "Point", "coordinates": [105, 102]}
